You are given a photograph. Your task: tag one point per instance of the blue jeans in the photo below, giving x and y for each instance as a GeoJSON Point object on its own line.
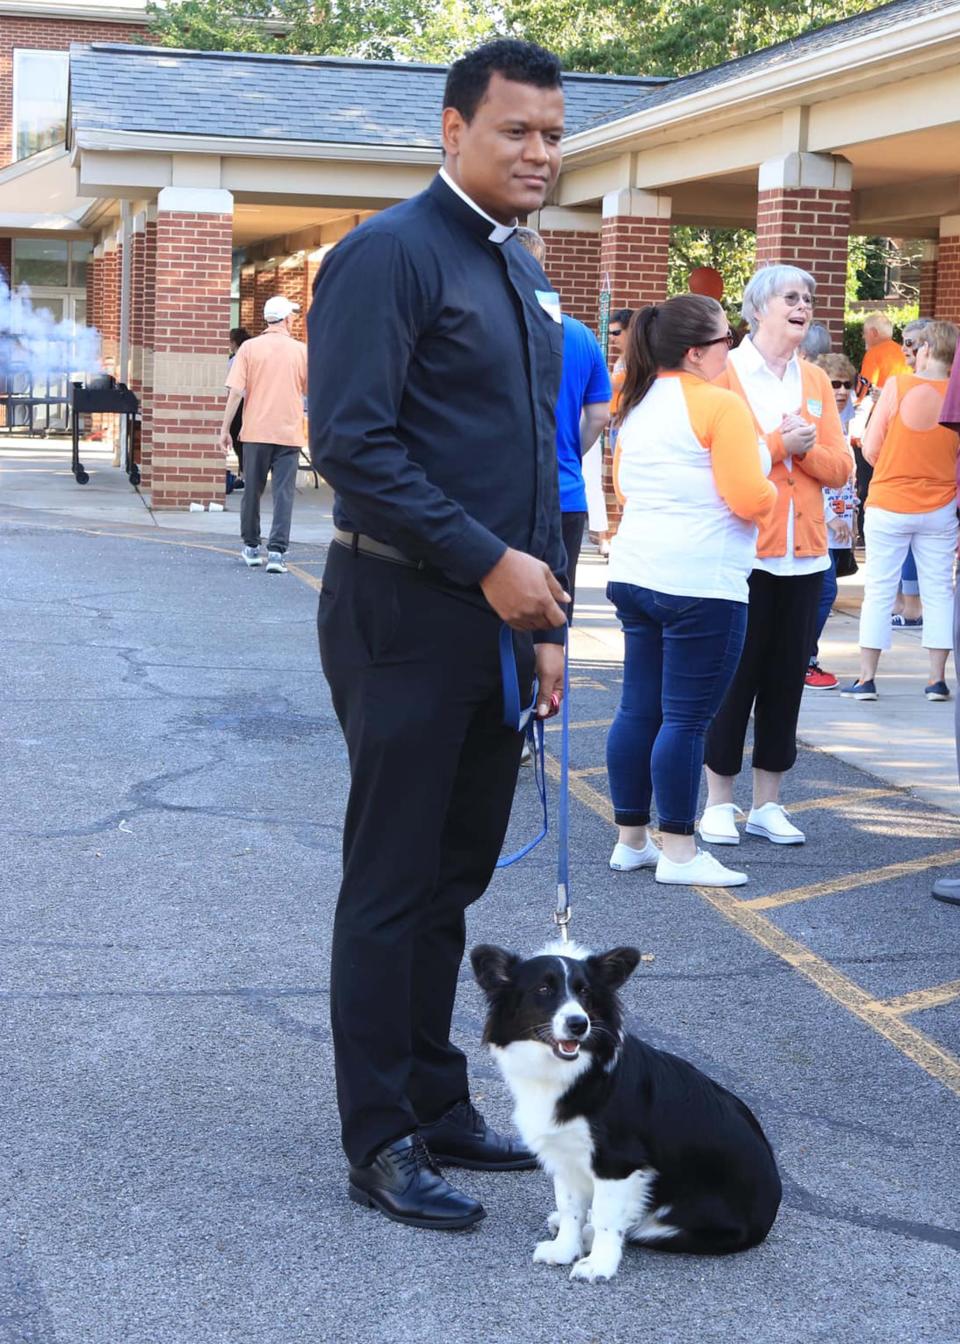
{"type": "Point", "coordinates": [828, 595]}
{"type": "Point", "coordinates": [680, 657]}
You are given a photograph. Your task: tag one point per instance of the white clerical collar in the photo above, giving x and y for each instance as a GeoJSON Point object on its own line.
{"type": "Point", "coordinates": [500, 232]}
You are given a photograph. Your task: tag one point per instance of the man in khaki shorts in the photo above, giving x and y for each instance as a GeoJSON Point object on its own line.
{"type": "Point", "coordinates": [269, 375]}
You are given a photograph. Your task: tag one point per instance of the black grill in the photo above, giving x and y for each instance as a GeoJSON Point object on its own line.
{"type": "Point", "coordinates": [103, 395]}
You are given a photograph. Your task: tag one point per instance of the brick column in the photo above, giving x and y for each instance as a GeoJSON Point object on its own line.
{"type": "Point", "coordinates": [928, 279]}
{"type": "Point", "coordinates": [803, 219]}
{"type": "Point", "coordinates": [137, 249]}
{"type": "Point", "coordinates": [634, 253]}
{"type": "Point", "coordinates": [292, 284]}
{"type": "Point", "coordinates": [265, 286]}
{"type": "Point", "coordinates": [192, 307]}
{"type": "Point", "coordinates": [573, 259]}
{"type": "Point", "coordinates": [247, 297]}
{"type": "Point", "coordinates": [635, 247]}
{"type": "Point", "coordinates": [146, 329]}
{"type": "Point", "coordinates": [948, 270]}
{"type": "Point", "coordinates": [110, 304]}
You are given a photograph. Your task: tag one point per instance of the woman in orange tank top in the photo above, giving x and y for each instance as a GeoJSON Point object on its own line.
{"type": "Point", "coordinates": [912, 503]}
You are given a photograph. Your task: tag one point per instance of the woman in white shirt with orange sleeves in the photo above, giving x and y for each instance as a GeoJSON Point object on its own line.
{"type": "Point", "coordinates": [689, 472]}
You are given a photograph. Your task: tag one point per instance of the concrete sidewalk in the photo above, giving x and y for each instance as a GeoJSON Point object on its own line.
{"type": "Point", "coordinates": [901, 738]}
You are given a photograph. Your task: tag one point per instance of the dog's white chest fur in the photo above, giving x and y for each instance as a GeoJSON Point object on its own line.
{"type": "Point", "coordinates": [592, 1214]}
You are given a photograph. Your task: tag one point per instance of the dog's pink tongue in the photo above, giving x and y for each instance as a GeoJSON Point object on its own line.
{"type": "Point", "coordinates": [568, 1047]}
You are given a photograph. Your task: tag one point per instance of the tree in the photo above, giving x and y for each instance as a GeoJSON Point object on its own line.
{"type": "Point", "coordinates": [732, 252]}
{"type": "Point", "coordinates": [656, 37]}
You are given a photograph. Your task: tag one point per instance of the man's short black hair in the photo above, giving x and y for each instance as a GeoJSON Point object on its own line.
{"type": "Point", "coordinates": [523, 62]}
{"type": "Point", "coordinates": [622, 315]}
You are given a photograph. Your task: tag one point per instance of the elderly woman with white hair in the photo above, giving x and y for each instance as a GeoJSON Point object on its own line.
{"type": "Point", "coordinates": [797, 423]}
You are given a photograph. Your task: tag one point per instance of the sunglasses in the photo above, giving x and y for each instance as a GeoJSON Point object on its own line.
{"type": "Point", "coordinates": [730, 340]}
{"type": "Point", "coordinates": [792, 298]}
{"type": "Point", "coordinates": [615, 331]}
{"type": "Point", "coordinates": [836, 384]}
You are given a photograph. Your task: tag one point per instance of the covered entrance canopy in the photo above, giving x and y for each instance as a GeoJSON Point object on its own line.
{"type": "Point", "coordinates": [190, 157]}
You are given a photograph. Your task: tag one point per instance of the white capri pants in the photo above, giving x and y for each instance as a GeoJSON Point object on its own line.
{"type": "Point", "coordinates": [888, 536]}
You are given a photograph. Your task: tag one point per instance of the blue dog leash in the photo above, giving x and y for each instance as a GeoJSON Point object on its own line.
{"type": "Point", "coordinates": [526, 721]}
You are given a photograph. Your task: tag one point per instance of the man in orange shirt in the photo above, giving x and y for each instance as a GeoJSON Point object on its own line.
{"type": "Point", "coordinates": [269, 375]}
{"type": "Point", "coordinates": [884, 358]}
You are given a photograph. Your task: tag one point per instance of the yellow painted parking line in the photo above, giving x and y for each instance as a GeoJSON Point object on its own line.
{"type": "Point", "coordinates": [850, 881]}
{"type": "Point", "coordinates": [309, 579]}
{"type": "Point", "coordinates": [911, 1042]}
{"type": "Point", "coordinates": [843, 799]}
{"type": "Point", "coordinates": [588, 795]}
{"type": "Point", "coordinates": [918, 999]}
{"type": "Point", "coordinates": [590, 770]}
{"type": "Point", "coordinates": [930, 1056]}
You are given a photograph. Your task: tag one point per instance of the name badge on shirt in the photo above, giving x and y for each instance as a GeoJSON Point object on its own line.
{"type": "Point", "coordinates": [815, 406]}
{"type": "Point", "coordinates": [550, 303]}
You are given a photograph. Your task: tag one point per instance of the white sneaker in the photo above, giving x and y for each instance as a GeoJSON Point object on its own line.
{"type": "Point", "coordinates": [718, 825]}
{"type": "Point", "coordinates": [624, 859]}
{"type": "Point", "coordinates": [275, 563]}
{"type": "Point", "coordinates": [702, 871]}
{"type": "Point", "coordinates": [250, 555]}
{"type": "Point", "coordinates": [771, 822]}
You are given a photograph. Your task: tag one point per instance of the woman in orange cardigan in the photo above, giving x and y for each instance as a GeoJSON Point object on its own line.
{"type": "Point", "coordinates": [797, 422]}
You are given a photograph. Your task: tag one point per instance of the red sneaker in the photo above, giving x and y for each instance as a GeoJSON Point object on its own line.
{"type": "Point", "coordinates": [818, 680]}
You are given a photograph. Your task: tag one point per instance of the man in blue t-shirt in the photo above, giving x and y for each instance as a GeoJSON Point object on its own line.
{"type": "Point", "coordinates": [583, 409]}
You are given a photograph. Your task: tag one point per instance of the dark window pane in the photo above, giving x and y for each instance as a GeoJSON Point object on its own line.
{"type": "Point", "coordinates": [80, 252]}
{"type": "Point", "coordinates": [39, 261]}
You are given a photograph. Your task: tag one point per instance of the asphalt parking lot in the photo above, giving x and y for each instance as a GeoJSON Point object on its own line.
{"type": "Point", "coordinates": [174, 787]}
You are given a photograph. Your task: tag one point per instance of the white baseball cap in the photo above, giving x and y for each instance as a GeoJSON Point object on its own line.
{"type": "Point", "coordinates": [277, 308]}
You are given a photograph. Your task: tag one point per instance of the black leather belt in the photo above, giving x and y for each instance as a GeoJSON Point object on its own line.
{"type": "Point", "coordinates": [357, 541]}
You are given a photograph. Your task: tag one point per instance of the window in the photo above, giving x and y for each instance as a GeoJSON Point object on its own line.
{"type": "Point", "coordinates": [51, 261]}
{"type": "Point", "coordinates": [39, 100]}
{"type": "Point", "coordinates": [40, 261]}
{"type": "Point", "coordinates": [80, 253]}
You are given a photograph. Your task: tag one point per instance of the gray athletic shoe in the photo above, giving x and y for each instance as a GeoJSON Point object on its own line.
{"type": "Point", "coordinates": [250, 555]}
{"type": "Point", "coordinates": [275, 563]}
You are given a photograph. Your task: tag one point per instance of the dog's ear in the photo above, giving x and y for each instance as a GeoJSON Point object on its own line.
{"type": "Point", "coordinates": [492, 966]}
{"type": "Point", "coordinates": [616, 966]}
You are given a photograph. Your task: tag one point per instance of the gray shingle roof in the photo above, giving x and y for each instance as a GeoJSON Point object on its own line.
{"type": "Point", "coordinates": [316, 99]}
{"type": "Point", "coordinates": [872, 22]}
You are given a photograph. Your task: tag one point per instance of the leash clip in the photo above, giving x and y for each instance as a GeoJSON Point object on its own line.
{"type": "Point", "coordinates": [562, 918]}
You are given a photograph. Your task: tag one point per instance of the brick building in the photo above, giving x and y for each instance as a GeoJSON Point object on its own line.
{"type": "Point", "coordinates": [201, 183]}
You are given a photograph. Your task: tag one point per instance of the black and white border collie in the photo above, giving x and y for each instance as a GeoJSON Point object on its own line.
{"type": "Point", "coordinates": [641, 1145]}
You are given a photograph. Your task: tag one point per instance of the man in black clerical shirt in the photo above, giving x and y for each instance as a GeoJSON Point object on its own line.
{"type": "Point", "coordinates": [435, 356]}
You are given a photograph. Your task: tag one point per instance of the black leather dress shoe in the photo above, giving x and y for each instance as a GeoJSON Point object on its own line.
{"type": "Point", "coordinates": [462, 1138]}
{"type": "Point", "coordinates": [403, 1182]}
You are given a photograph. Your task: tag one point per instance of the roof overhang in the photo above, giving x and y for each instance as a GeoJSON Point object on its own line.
{"type": "Point", "coordinates": [48, 183]}
{"type": "Point", "coordinates": [913, 47]}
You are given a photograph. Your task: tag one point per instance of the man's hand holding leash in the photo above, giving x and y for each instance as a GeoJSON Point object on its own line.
{"type": "Point", "coordinates": [524, 593]}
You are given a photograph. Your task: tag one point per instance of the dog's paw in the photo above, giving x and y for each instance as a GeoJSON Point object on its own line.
{"type": "Point", "coordinates": [555, 1253]}
{"type": "Point", "coordinates": [553, 1221]}
{"type": "Point", "coordinates": [592, 1270]}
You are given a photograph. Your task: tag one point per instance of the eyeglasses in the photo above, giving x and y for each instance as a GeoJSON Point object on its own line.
{"type": "Point", "coordinates": [836, 384]}
{"type": "Point", "coordinates": [730, 338]}
{"type": "Point", "coordinates": [792, 298]}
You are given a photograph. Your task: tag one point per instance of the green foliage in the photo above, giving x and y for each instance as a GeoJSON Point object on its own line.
{"type": "Point", "coordinates": [732, 252]}
{"type": "Point", "coordinates": [658, 37]}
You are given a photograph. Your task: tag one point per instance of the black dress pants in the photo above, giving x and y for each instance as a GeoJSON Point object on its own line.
{"type": "Point", "coordinates": [572, 525]}
{"type": "Point", "coordinates": [781, 629]}
{"type": "Point", "coordinates": [414, 671]}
